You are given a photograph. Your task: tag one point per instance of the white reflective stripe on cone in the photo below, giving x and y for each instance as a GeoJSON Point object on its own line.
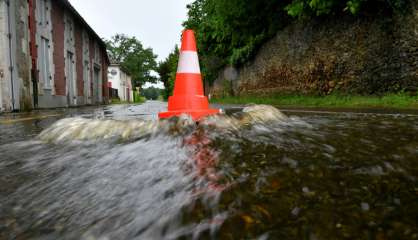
{"type": "Point", "coordinates": [188, 62]}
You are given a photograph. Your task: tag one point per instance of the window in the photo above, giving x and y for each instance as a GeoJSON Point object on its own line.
{"type": "Point", "coordinates": [86, 43]}
{"type": "Point", "coordinates": [70, 30]}
{"type": "Point", "coordinates": [86, 78]}
{"type": "Point", "coordinates": [96, 53]}
{"type": "Point", "coordinates": [43, 12]}
{"type": "Point", "coordinates": [44, 61]}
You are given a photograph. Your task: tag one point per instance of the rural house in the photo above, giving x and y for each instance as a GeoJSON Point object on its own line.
{"type": "Point", "coordinates": [49, 57]}
{"type": "Point", "coordinates": [120, 84]}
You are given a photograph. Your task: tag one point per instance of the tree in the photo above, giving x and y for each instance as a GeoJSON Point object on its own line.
{"type": "Point", "coordinates": [230, 32]}
{"type": "Point", "coordinates": [167, 70]}
{"type": "Point", "coordinates": [151, 93]}
{"type": "Point", "coordinates": [299, 8]}
{"type": "Point", "coordinates": [133, 58]}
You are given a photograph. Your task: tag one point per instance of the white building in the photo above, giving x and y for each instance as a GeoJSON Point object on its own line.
{"type": "Point", "coordinates": [120, 84]}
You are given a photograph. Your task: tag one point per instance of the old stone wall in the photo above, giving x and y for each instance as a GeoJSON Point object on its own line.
{"type": "Point", "coordinates": [22, 53]}
{"type": "Point", "coordinates": [15, 65]}
{"type": "Point", "coordinates": [5, 102]}
{"type": "Point", "coordinates": [360, 55]}
{"type": "Point", "coordinates": [79, 56]}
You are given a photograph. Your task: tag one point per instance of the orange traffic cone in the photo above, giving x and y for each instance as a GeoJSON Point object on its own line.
{"type": "Point", "coordinates": [188, 97]}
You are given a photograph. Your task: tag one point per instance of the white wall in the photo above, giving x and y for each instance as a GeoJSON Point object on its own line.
{"type": "Point", "coordinates": [44, 30]}
{"type": "Point", "coordinates": [69, 46]}
{"type": "Point", "coordinates": [86, 68]}
{"type": "Point", "coordinates": [97, 83]}
{"type": "Point", "coordinates": [3, 51]}
{"type": "Point", "coordinates": [115, 78]}
{"type": "Point", "coordinates": [5, 78]}
{"type": "Point", "coordinates": [121, 82]}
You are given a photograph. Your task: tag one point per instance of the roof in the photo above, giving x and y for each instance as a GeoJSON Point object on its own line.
{"type": "Point", "coordinates": [70, 7]}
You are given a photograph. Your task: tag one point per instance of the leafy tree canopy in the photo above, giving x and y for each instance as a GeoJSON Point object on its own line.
{"type": "Point", "coordinates": [151, 93]}
{"type": "Point", "coordinates": [137, 61]}
{"type": "Point", "coordinates": [229, 32]}
{"type": "Point", "coordinates": [299, 8]}
{"type": "Point", "coordinates": [167, 70]}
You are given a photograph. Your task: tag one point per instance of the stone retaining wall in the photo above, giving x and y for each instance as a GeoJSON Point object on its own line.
{"type": "Point", "coordinates": [357, 55]}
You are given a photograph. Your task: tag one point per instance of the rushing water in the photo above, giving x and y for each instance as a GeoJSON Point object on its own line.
{"type": "Point", "coordinates": [118, 173]}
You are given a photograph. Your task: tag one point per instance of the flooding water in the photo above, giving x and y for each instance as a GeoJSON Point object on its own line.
{"type": "Point", "coordinates": [118, 173]}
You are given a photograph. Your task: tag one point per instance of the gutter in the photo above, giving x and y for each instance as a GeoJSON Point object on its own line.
{"type": "Point", "coordinates": [9, 36]}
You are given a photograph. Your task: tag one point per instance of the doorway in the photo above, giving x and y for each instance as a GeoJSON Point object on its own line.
{"type": "Point", "coordinates": [87, 85]}
{"type": "Point", "coordinates": [71, 85]}
{"type": "Point", "coordinates": [97, 86]}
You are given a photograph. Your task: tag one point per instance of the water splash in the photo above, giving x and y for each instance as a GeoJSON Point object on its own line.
{"type": "Point", "coordinates": [274, 176]}
{"type": "Point", "coordinates": [83, 129]}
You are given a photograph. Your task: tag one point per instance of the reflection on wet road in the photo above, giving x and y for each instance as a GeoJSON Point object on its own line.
{"type": "Point", "coordinates": [115, 172]}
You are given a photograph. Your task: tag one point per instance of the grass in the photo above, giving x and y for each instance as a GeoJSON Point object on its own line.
{"type": "Point", "coordinates": [400, 100]}
{"type": "Point", "coordinates": [138, 100]}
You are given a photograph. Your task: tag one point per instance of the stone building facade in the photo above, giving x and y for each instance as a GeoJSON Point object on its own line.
{"type": "Point", "coordinates": [49, 57]}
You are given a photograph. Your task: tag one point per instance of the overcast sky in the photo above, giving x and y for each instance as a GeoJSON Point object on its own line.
{"type": "Point", "coordinates": [156, 23]}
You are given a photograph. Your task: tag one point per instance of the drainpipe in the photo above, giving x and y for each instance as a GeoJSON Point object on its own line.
{"type": "Point", "coordinates": [9, 36]}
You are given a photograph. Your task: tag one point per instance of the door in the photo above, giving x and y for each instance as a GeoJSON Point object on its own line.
{"type": "Point", "coordinates": [71, 85]}
{"type": "Point", "coordinates": [97, 86]}
{"type": "Point", "coordinates": [87, 85]}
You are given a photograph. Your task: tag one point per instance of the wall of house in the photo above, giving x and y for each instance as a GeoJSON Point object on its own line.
{"type": "Point", "coordinates": [58, 27]}
{"type": "Point", "coordinates": [71, 38]}
{"type": "Point", "coordinates": [105, 87]}
{"type": "Point", "coordinates": [56, 71]}
{"type": "Point", "coordinates": [79, 62]}
{"type": "Point", "coordinates": [48, 30]}
{"type": "Point", "coordinates": [96, 70]}
{"type": "Point", "coordinates": [86, 68]}
{"type": "Point", "coordinates": [122, 82]}
{"type": "Point", "coordinates": [15, 65]}
{"type": "Point", "coordinates": [70, 59]}
{"type": "Point", "coordinates": [91, 62]}
{"type": "Point", "coordinates": [22, 54]}
{"type": "Point", "coordinates": [114, 78]}
{"type": "Point", "coordinates": [99, 78]}
{"type": "Point", "coordinates": [5, 96]}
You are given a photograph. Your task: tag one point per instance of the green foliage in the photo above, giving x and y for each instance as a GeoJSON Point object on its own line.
{"type": "Point", "coordinates": [137, 61]}
{"type": "Point", "coordinates": [167, 70]}
{"type": "Point", "coordinates": [295, 8]}
{"type": "Point", "coordinates": [138, 98]}
{"type": "Point", "coordinates": [151, 93]}
{"type": "Point", "coordinates": [231, 31]}
{"type": "Point", "coordinates": [298, 8]}
{"type": "Point", "coordinates": [354, 6]}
